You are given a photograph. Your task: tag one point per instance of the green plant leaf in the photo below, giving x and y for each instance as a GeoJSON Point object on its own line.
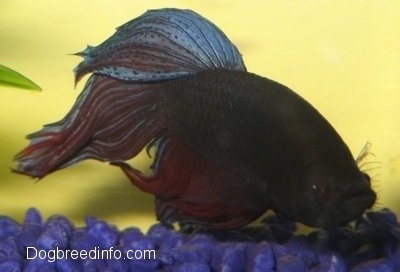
{"type": "Point", "coordinates": [9, 77]}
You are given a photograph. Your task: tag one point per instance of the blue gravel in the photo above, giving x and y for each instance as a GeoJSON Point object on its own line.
{"type": "Point", "coordinates": [372, 244]}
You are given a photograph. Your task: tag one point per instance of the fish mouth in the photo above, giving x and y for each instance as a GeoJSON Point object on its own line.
{"type": "Point", "coordinates": [345, 210]}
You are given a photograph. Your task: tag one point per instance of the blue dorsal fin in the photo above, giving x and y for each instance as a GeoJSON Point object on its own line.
{"type": "Point", "coordinates": [159, 45]}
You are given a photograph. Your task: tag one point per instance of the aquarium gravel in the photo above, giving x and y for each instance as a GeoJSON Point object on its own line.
{"type": "Point", "coordinates": [371, 244]}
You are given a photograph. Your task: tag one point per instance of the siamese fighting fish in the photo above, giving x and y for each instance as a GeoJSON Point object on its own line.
{"type": "Point", "coordinates": [230, 144]}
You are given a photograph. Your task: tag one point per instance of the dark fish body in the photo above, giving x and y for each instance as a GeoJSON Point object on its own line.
{"type": "Point", "coordinates": [275, 143]}
{"type": "Point", "coordinates": [230, 144]}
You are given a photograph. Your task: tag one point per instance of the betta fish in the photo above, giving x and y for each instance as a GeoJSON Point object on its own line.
{"type": "Point", "coordinates": [229, 144]}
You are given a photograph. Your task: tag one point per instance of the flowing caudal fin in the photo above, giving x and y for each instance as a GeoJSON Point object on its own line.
{"type": "Point", "coordinates": [192, 190]}
{"type": "Point", "coordinates": [114, 117]}
{"type": "Point", "coordinates": [111, 120]}
{"type": "Point", "coordinates": [161, 45]}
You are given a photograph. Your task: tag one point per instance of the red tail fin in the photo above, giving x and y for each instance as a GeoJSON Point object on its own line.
{"type": "Point", "coordinates": [114, 117]}
{"type": "Point", "coordinates": [111, 120]}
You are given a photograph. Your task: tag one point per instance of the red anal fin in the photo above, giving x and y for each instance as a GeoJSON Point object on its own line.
{"type": "Point", "coordinates": [172, 169]}
{"type": "Point", "coordinates": [192, 190]}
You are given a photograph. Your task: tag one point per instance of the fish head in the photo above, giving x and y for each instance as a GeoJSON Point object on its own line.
{"type": "Point", "coordinates": [325, 198]}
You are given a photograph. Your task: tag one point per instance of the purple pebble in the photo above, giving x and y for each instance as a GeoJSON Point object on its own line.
{"type": "Point", "coordinates": [10, 266]}
{"type": "Point", "coordinates": [381, 265]}
{"type": "Point", "coordinates": [8, 227]}
{"type": "Point", "coordinates": [383, 217]}
{"type": "Point", "coordinates": [191, 267]}
{"type": "Point", "coordinates": [233, 257]}
{"type": "Point", "coordinates": [166, 238]}
{"type": "Point", "coordinates": [140, 249]}
{"type": "Point", "coordinates": [298, 246]}
{"type": "Point", "coordinates": [93, 265]}
{"type": "Point", "coordinates": [143, 264]}
{"type": "Point", "coordinates": [9, 250]}
{"type": "Point", "coordinates": [56, 233]}
{"type": "Point", "coordinates": [330, 262]}
{"type": "Point", "coordinates": [100, 233]}
{"type": "Point", "coordinates": [133, 242]}
{"type": "Point", "coordinates": [67, 265]}
{"type": "Point", "coordinates": [117, 265]}
{"type": "Point", "coordinates": [260, 257]}
{"type": "Point", "coordinates": [164, 258]}
{"type": "Point", "coordinates": [130, 234]}
{"type": "Point", "coordinates": [39, 265]}
{"type": "Point", "coordinates": [191, 253]}
{"type": "Point", "coordinates": [290, 263]}
{"type": "Point", "coordinates": [32, 216]}
{"type": "Point", "coordinates": [159, 231]}
{"type": "Point", "coordinates": [80, 240]}
{"type": "Point", "coordinates": [28, 235]}
{"type": "Point", "coordinates": [374, 247]}
{"type": "Point", "coordinates": [173, 240]}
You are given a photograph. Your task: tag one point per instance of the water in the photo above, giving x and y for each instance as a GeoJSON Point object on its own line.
{"type": "Point", "coordinates": [342, 57]}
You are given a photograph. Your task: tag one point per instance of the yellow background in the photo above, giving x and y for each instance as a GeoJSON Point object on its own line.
{"type": "Point", "coordinates": [342, 56]}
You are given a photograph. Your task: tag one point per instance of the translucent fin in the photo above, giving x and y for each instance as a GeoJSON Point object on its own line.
{"type": "Point", "coordinates": [110, 120]}
{"type": "Point", "coordinates": [159, 45]}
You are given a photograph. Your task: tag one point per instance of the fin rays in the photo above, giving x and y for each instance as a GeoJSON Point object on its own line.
{"type": "Point", "coordinates": [160, 45]}
{"type": "Point", "coordinates": [111, 120]}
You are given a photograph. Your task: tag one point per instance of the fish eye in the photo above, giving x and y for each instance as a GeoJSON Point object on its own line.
{"type": "Point", "coordinates": [316, 190]}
